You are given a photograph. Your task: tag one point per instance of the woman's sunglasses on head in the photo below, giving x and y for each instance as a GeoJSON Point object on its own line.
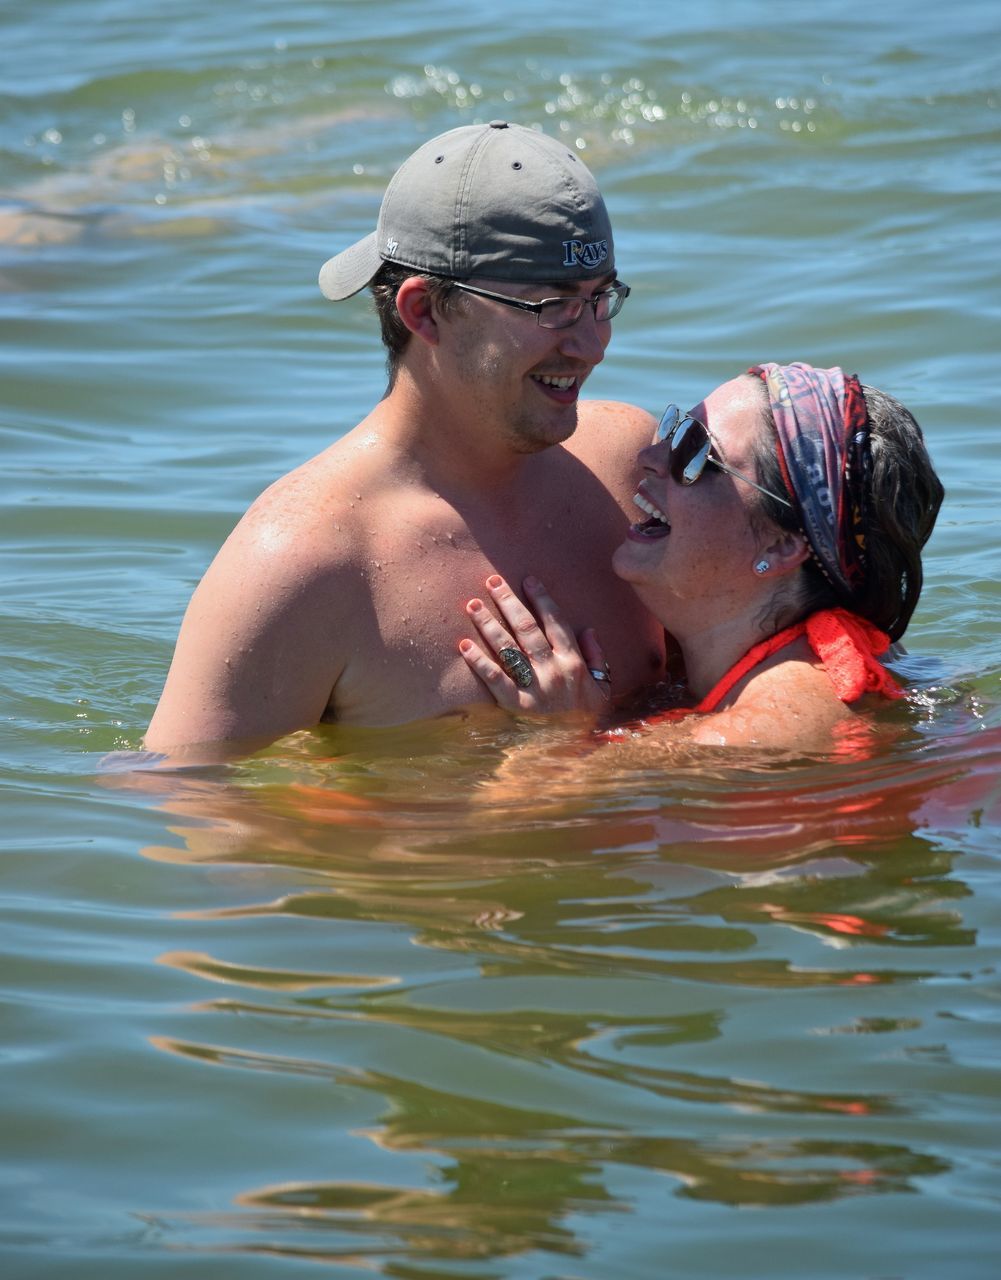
{"type": "Point", "coordinates": [691, 451]}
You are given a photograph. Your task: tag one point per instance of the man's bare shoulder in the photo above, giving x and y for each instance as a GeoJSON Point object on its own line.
{"type": "Point", "coordinates": [314, 518]}
{"type": "Point", "coordinates": [626, 417]}
{"type": "Point", "coordinates": [270, 627]}
{"type": "Point", "coordinates": [609, 435]}
{"type": "Point", "coordinates": [610, 429]}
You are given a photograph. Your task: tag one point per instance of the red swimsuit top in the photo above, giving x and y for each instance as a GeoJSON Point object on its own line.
{"type": "Point", "coordinates": [846, 644]}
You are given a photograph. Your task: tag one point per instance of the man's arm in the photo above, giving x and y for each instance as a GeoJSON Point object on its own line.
{"type": "Point", "coordinates": [256, 655]}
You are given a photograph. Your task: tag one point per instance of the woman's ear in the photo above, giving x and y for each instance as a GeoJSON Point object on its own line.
{"type": "Point", "coordinates": [786, 550]}
{"type": "Point", "coordinates": [416, 310]}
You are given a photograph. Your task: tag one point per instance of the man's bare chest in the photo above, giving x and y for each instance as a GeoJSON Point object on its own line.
{"type": "Point", "coordinates": [404, 663]}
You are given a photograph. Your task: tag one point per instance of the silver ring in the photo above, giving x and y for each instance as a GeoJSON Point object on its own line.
{"type": "Point", "coordinates": [517, 666]}
{"type": "Point", "coordinates": [600, 676]}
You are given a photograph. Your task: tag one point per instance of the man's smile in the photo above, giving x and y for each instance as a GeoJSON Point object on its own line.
{"type": "Point", "coordinates": [563, 388]}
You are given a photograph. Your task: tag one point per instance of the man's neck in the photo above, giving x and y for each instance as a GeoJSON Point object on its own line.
{"type": "Point", "coordinates": [449, 453]}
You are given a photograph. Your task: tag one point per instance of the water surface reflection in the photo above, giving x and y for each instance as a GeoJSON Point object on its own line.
{"type": "Point", "coordinates": [725, 978]}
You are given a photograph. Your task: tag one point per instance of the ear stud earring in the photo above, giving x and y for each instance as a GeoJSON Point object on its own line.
{"type": "Point", "coordinates": [762, 566]}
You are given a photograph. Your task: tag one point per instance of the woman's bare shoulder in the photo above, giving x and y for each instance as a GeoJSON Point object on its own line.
{"type": "Point", "coordinates": [788, 703]}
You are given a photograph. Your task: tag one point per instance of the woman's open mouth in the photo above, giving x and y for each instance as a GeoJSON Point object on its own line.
{"type": "Point", "coordinates": [657, 526]}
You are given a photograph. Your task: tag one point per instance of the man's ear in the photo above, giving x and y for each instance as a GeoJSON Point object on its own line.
{"type": "Point", "coordinates": [415, 308]}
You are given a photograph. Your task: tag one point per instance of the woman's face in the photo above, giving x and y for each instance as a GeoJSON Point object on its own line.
{"type": "Point", "coordinates": [696, 542]}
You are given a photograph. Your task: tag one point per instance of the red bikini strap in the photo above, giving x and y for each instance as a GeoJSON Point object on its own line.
{"type": "Point", "coordinates": [748, 662]}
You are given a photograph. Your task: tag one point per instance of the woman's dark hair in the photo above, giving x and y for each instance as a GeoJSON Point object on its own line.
{"type": "Point", "coordinates": [395, 334]}
{"type": "Point", "coordinates": [902, 498]}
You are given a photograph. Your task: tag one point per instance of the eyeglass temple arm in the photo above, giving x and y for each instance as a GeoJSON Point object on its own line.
{"type": "Point", "coordinates": [739, 476]}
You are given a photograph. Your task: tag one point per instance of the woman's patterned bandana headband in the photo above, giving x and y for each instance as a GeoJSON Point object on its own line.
{"type": "Point", "coordinates": [823, 451]}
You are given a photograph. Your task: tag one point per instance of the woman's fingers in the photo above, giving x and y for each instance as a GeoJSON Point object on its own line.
{"type": "Point", "coordinates": [581, 668]}
{"type": "Point", "coordinates": [494, 634]}
{"type": "Point", "coordinates": [531, 667]}
{"type": "Point", "coordinates": [504, 692]}
{"type": "Point", "coordinates": [559, 635]}
{"type": "Point", "coordinates": [594, 655]}
{"type": "Point", "coordinates": [527, 633]}
{"type": "Point", "coordinates": [597, 664]}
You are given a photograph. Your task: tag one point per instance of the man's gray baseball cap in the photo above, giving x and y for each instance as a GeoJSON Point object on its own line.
{"type": "Point", "coordinates": [495, 200]}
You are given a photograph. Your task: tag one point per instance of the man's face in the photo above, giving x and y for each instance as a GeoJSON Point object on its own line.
{"type": "Point", "coordinates": [512, 372]}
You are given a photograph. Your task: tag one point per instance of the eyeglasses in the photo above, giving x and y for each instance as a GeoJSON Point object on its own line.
{"type": "Point", "coordinates": [692, 451]}
{"type": "Point", "coordinates": [560, 313]}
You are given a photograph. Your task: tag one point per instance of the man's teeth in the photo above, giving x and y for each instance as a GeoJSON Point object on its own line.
{"type": "Point", "coordinates": [562, 384]}
{"type": "Point", "coordinates": [650, 509]}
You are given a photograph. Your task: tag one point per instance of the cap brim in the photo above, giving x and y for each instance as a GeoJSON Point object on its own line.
{"type": "Point", "coordinates": [349, 272]}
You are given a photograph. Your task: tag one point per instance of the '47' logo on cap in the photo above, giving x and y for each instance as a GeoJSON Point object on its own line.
{"type": "Point", "coordinates": [578, 254]}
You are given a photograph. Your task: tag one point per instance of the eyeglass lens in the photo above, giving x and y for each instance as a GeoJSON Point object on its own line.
{"type": "Point", "coordinates": [561, 313]}
{"type": "Point", "coordinates": [690, 445]}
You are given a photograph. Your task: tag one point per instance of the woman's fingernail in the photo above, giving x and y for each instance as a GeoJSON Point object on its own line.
{"type": "Point", "coordinates": [474, 606]}
{"type": "Point", "coordinates": [495, 580]}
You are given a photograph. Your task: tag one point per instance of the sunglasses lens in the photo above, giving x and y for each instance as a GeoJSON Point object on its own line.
{"type": "Point", "coordinates": [689, 451]}
{"type": "Point", "coordinates": [667, 423]}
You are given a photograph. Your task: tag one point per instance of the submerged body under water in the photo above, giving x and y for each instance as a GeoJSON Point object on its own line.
{"type": "Point", "coordinates": [398, 1014]}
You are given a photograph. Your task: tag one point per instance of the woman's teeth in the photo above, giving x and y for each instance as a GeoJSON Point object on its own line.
{"type": "Point", "coordinates": [561, 384]}
{"type": "Point", "coordinates": [650, 509]}
{"type": "Point", "coordinates": [657, 526]}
